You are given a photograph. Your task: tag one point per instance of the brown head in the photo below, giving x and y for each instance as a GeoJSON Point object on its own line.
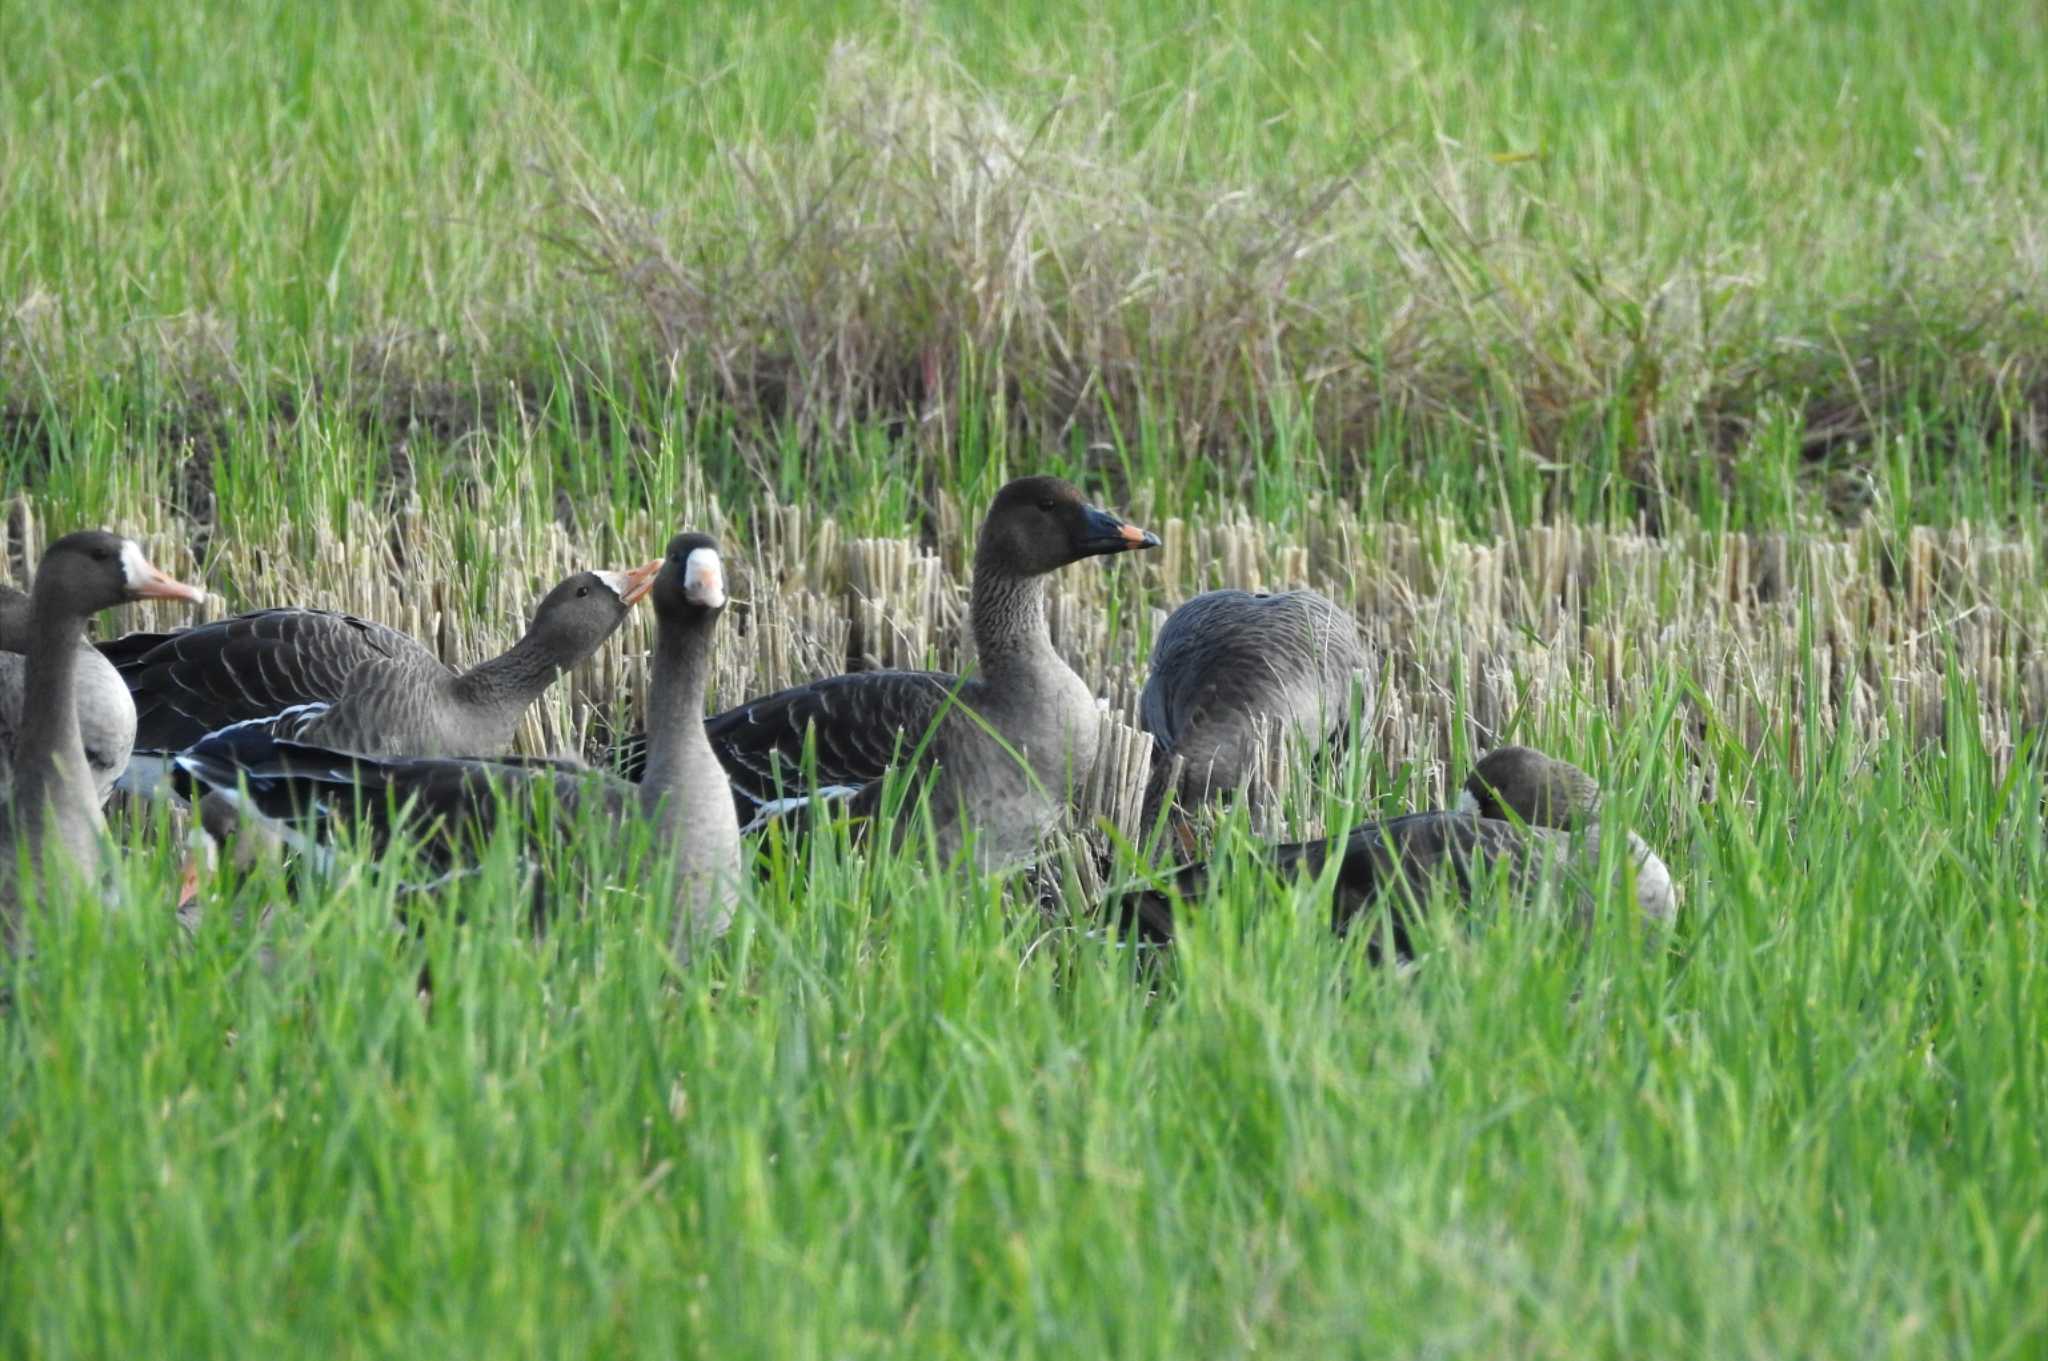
{"type": "Point", "coordinates": [573, 620]}
{"type": "Point", "coordinates": [1040, 524]}
{"type": "Point", "coordinates": [1538, 790]}
{"type": "Point", "coordinates": [92, 570]}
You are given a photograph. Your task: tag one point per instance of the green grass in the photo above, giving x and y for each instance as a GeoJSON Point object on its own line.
{"type": "Point", "coordinates": [411, 308]}
{"type": "Point", "coordinates": [892, 1116]}
{"type": "Point", "coordinates": [1586, 258]}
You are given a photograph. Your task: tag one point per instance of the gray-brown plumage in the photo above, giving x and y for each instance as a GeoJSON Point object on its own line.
{"type": "Point", "coordinates": [1232, 667]}
{"type": "Point", "coordinates": [334, 680]}
{"type": "Point", "coordinates": [1521, 813]}
{"type": "Point", "coordinates": [455, 803]}
{"type": "Point", "coordinates": [50, 825]}
{"type": "Point", "coordinates": [1008, 744]}
{"type": "Point", "coordinates": [106, 715]}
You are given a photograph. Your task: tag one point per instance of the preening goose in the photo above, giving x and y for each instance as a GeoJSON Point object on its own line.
{"type": "Point", "coordinates": [1007, 743]}
{"type": "Point", "coordinates": [1228, 664]}
{"type": "Point", "coordinates": [333, 680]}
{"type": "Point", "coordinates": [455, 802]}
{"type": "Point", "coordinates": [50, 825]}
{"type": "Point", "coordinates": [1521, 812]}
{"type": "Point", "coordinates": [106, 715]}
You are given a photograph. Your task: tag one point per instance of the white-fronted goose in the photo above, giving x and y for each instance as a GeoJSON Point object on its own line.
{"type": "Point", "coordinates": [455, 802]}
{"type": "Point", "coordinates": [333, 680]}
{"type": "Point", "coordinates": [106, 715]}
{"type": "Point", "coordinates": [50, 824]}
{"type": "Point", "coordinates": [1008, 743]}
{"type": "Point", "coordinates": [1521, 812]}
{"type": "Point", "coordinates": [1228, 665]}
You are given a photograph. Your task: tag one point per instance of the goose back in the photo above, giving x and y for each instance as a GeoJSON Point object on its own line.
{"type": "Point", "coordinates": [191, 682]}
{"type": "Point", "coordinates": [1540, 826]}
{"type": "Point", "coordinates": [1231, 667]}
{"type": "Point", "coordinates": [855, 727]}
{"type": "Point", "coordinates": [1397, 860]}
{"type": "Point", "coordinates": [330, 679]}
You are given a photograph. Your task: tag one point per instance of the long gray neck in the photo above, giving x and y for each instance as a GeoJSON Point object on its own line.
{"type": "Point", "coordinates": [1008, 616]}
{"type": "Point", "coordinates": [14, 619]}
{"type": "Point", "coordinates": [49, 758]}
{"type": "Point", "coordinates": [500, 690]}
{"type": "Point", "coordinates": [685, 790]}
{"type": "Point", "coordinates": [680, 762]}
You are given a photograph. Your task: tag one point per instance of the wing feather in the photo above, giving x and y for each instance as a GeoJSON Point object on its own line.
{"type": "Point", "coordinates": [195, 681]}
{"type": "Point", "coordinates": [451, 803]}
{"type": "Point", "coordinates": [860, 725]}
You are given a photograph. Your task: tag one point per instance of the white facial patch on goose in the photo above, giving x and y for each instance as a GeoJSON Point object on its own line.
{"type": "Point", "coordinates": [615, 582]}
{"type": "Point", "coordinates": [1466, 806]}
{"type": "Point", "coordinates": [135, 568]}
{"type": "Point", "coordinates": [704, 578]}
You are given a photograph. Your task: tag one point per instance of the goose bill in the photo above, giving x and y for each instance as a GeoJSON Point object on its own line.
{"type": "Point", "coordinates": [634, 585]}
{"type": "Point", "coordinates": [146, 581]}
{"type": "Point", "coordinates": [1108, 534]}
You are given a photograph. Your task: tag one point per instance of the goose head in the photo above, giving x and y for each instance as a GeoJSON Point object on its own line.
{"type": "Point", "coordinates": [91, 570]}
{"type": "Point", "coordinates": [689, 585]}
{"type": "Point", "coordinates": [574, 619]}
{"type": "Point", "coordinates": [1539, 790]}
{"type": "Point", "coordinates": [1040, 524]}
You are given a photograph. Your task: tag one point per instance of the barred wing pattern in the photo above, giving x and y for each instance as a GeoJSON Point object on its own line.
{"type": "Point", "coordinates": [865, 724]}
{"type": "Point", "coordinates": [196, 681]}
{"type": "Point", "coordinates": [450, 804]}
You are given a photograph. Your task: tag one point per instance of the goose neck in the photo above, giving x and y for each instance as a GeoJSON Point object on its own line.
{"type": "Point", "coordinates": [15, 614]}
{"type": "Point", "coordinates": [1007, 613]}
{"type": "Point", "coordinates": [51, 748]}
{"type": "Point", "coordinates": [678, 752]}
{"type": "Point", "coordinates": [506, 684]}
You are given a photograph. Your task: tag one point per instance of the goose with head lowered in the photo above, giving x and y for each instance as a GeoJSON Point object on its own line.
{"type": "Point", "coordinates": [333, 680]}
{"type": "Point", "coordinates": [106, 714]}
{"type": "Point", "coordinates": [1234, 669]}
{"type": "Point", "coordinates": [454, 803]}
{"type": "Point", "coordinates": [1530, 816]}
{"type": "Point", "coordinates": [997, 752]}
{"type": "Point", "coordinates": [50, 824]}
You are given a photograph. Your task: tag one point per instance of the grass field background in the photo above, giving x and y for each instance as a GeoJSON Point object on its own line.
{"type": "Point", "coordinates": [1664, 386]}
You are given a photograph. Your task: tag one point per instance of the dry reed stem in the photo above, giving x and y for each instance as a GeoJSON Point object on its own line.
{"type": "Point", "coordinates": [1787, 640]}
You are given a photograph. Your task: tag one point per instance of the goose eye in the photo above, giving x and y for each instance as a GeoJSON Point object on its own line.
{"type": "Point", "coordinates": [582, 591]}
{"type": "Point", "coordinates": [1048, 504]}
{"type": "Point", "coordinates": [102, 555]}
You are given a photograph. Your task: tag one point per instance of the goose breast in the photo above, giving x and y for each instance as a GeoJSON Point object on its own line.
{"type": "Point", "coordinates": [106, 713]}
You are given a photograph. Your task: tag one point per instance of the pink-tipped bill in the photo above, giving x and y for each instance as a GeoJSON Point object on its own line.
{"type": "Point", "coordinates": [146, 581]}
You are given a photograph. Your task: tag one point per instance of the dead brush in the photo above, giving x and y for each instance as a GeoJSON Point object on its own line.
{"type": "Point", "coordinates": [935, 245]}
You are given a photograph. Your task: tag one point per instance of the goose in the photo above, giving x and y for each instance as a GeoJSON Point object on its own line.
{"type": "Point", "coordinates": [106, 714]}
{"type": "Point", "coordinates": [1520, 812]}
{"type": "Point", "coordinates": [50, 821]}
{"type": "Point", "coordinates": [455, 802]}
{"type": "Point", "coordinates": [333, 680]}
{"type": "Point", "coordinates": [1231, 667]}
{"type": "Point", "coordinates": [1007, 744]}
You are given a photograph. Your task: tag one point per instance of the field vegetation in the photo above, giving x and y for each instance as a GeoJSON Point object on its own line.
{"type": "Point", "coordinates": [1663, 386]}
